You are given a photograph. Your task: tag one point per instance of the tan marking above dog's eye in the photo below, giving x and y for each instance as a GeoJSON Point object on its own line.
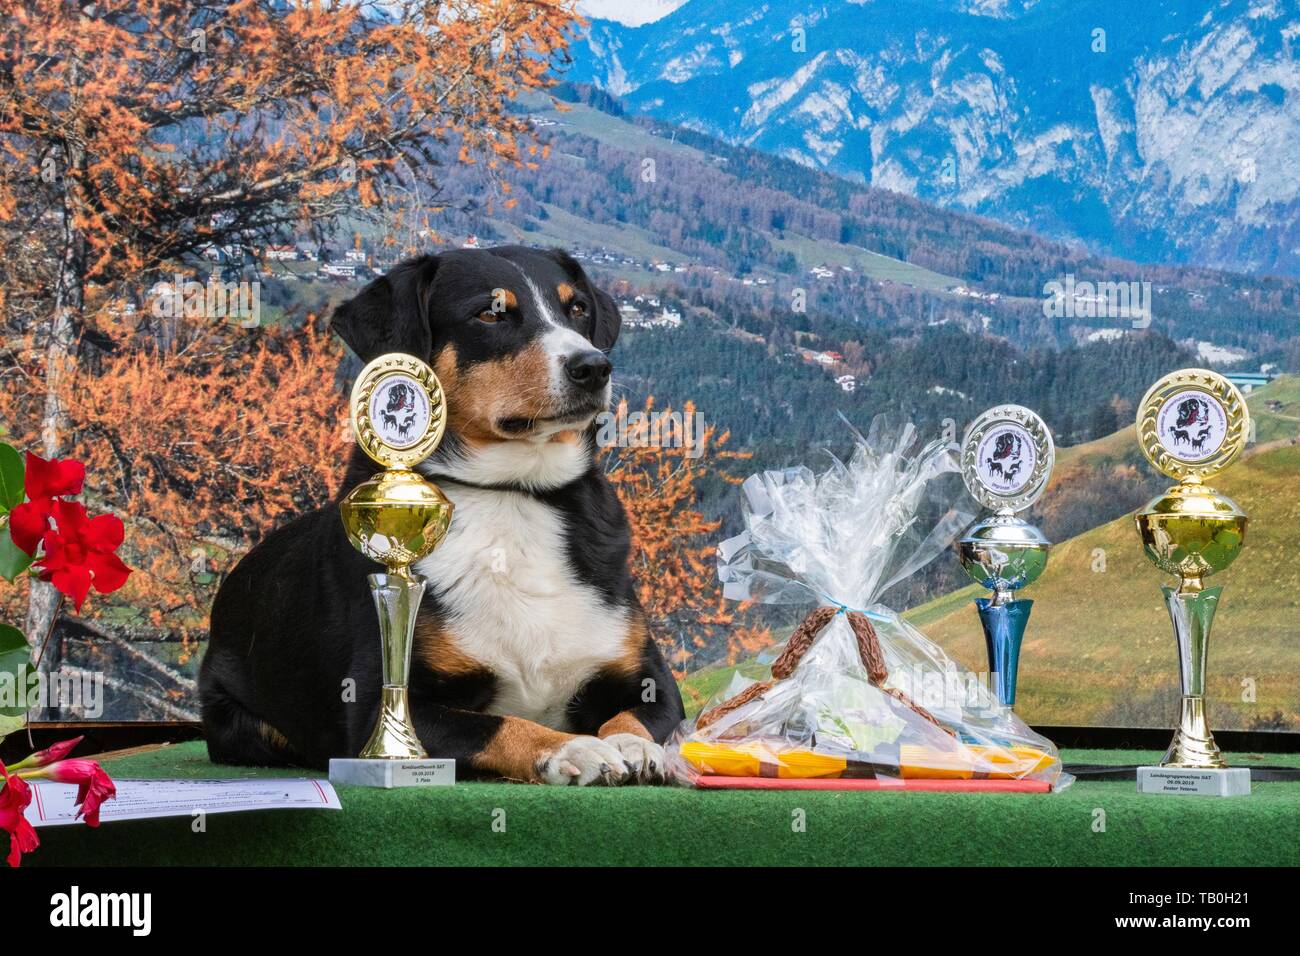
{"type": "Point", "coordinates": [565, 292]}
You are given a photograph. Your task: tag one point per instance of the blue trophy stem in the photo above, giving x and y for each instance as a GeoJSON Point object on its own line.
{"type": "Point", "coordinates": [1004, 629]}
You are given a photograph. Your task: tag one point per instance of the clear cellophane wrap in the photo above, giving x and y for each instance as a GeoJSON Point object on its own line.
{"type": "Point", "coordinates": [855, 691]}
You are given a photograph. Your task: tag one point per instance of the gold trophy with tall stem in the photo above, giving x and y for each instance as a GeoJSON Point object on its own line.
{"type": "Point", "coordinates": [1191, 425]}
{"type": "Point", "coordinates": [396, 518]}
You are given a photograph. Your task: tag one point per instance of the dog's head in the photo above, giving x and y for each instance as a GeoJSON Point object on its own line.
{"type": "Point", "coordinates": [519, 338]}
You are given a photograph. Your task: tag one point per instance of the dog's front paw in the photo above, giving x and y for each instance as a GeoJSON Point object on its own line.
{"type": "Point", "coordinates": [644, 758]}
{"type": "Point", "coordinates": [584, 760]}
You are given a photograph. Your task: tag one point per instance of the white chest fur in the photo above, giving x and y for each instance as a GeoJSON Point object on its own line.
{"type": "Point", "coordinates": [514, 604]}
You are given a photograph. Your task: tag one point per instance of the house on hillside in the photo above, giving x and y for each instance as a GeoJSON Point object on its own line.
{"type": "Point", "coordinates": [634, 318]}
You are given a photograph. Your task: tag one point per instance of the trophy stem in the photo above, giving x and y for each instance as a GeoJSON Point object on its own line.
{"type": "Point", "coordinates": [1004, 628]}
{"type": "Point", "coordinates": [397, 598]}
{"type": "Point", "coordinates": [1191, 609]}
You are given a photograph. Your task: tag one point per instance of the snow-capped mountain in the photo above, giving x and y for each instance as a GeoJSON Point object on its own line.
{"type": "Point", "coordinates": [1164, 130]}
{"type": "Point", "coordinates": [630, 13]}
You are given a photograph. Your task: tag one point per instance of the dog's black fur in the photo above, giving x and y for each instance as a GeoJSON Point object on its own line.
{"type": "Point", "coordinates": [294, 632]}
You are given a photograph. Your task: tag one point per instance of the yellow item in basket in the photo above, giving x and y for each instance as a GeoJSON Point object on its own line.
{"type": "Point", "coordinates": [765, 759]}
{"type": "Point", "coordinates": [759, 759]}
{"type": "Point", "coordinates": [972, 760]}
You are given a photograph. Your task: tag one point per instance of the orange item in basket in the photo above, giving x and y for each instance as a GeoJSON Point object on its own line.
{"type": "Point", "coordinates": [769, 760]}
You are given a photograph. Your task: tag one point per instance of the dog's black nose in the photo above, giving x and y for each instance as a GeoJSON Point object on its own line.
{"type": "Point", "coordinates": [589, 370]}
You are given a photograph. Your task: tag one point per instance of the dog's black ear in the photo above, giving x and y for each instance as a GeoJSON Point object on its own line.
{"type": "Point", "coordinates": [608, 320]}
{"type": "Point", "coordinates": [391, 314]}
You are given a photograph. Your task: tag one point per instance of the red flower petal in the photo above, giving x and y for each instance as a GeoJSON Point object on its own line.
{"type": "Point", "coordinates": [28, 523]}
{"type": "Point", "coordinates": [108, 571]}
{"type": "Point", "coordinates": [72, 581]}
{"type": "Point", "coordinates": [71, 519]}
{"type": "Point", "coordinates": [54, 752]}
{"type": "Point", "coordinates": [49, 479]}
{"type": "Point", "coordinates": [14, 798]}
{"type": "Point", "coordinates": [53, 559]}
{"type": "Point", "coordinates": [94, 785]}
{"type": "Point", "coordinates": [104, 533]}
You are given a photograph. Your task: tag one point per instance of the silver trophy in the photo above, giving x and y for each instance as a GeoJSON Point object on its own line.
{"type": "Point", "coordinates": [1007, 457]}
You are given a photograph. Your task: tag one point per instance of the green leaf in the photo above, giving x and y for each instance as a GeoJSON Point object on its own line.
{"type": "Point", "coordinates": [13, 560]}
{"type": "Point", "coordinates": [11, 477]}
{"type": "Point", "coordinates": [9, 724]}
{"type": "Point", "coordinates": [15, 656]}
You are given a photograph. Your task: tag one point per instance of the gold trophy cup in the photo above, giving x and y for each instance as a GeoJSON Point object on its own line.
{"type": "Point", "coordinates": [1191, 425]}
{"type": "Point", "coordinates": [396, 518]}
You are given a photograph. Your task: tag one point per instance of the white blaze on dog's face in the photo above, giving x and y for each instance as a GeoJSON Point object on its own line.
{"type": "Point", "coordinates": [519, 338]}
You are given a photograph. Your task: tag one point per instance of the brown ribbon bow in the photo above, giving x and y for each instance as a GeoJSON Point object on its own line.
{"type": "Point", "coordinates": [873, 659]}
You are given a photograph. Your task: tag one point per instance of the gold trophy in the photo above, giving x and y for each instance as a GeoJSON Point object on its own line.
{"type": "Point", "coordinates": [396, 517]}
{"type": "Point", "coordinates": [1191, 425]}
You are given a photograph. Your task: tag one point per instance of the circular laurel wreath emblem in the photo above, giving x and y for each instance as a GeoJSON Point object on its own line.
{"type": "Point", "coordinates": [1192, 424]}
{"type": "Point", "coordinates": [1006, 458]}
{"type": "Point", "coordinates": [398, 410]}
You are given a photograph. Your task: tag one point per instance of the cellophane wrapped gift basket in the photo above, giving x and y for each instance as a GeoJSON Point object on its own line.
{"type": "Point", "coordinates": [856, 697]}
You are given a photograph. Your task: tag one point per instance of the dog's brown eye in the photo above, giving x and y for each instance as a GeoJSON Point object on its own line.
{"type": "Point", "coordinates": [577, 310]}
{"type": "Point", "coordinates": [487, 315]}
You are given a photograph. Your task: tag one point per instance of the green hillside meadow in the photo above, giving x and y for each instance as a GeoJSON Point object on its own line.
{"type": "Point", "coordinates": [1099, 648]}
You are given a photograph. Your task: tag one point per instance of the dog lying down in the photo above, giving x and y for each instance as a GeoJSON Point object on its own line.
{"type": "Point", "coordinates": [532, 659]}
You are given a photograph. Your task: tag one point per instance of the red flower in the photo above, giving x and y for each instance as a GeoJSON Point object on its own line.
{"type": "Point", "coordinates": [93, 784]}
{"type": "Point", "coordinates": [43, 481]}
{"type": "Point", "coordinates": [14, 798]}
{"type": "Point", "coordinates": [51, 754]}
{"type": "Point", "coordinates": [79, 551]}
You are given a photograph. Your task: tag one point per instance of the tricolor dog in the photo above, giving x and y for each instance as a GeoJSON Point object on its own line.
{"type": "Point", "coordinates": [532, 658]}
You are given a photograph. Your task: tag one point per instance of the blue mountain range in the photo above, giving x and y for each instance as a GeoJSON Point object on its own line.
{"type": "Point", "coordinates": [1162, 131]}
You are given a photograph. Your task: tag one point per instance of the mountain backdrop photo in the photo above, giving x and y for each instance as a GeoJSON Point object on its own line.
{"type": "Point", "coordinates": [808, 215]}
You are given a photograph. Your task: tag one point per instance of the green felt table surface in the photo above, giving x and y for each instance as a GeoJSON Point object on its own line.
{"type": "Point", "coordinates": [492, 824]}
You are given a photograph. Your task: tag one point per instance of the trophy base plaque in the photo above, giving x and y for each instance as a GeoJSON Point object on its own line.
{"type": "Point", "coordinates": [392, 774]}
{"type": "Point", "coordinates": [1190, 782]}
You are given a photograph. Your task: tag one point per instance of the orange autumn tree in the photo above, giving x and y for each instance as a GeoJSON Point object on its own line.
{"type": "Point", "coordinates": [200, 444]}
{"type": "Point", "coordinates": [139, 135]}
{"type": "Point", "coordinates": [657, 467]}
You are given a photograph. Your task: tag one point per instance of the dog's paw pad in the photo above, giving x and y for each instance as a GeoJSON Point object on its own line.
{"type": "Point", "coordinates": [582, 761]}
{"type": "Point", "coordinates": [644, 758]}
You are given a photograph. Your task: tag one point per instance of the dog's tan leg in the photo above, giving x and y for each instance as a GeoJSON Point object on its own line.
{"type": "Point", "coordinates": [524, 750]}
{"type": "Point", "coordinates": [518, 749]}
{"type": "Point", "coordinates": [623, 723]}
